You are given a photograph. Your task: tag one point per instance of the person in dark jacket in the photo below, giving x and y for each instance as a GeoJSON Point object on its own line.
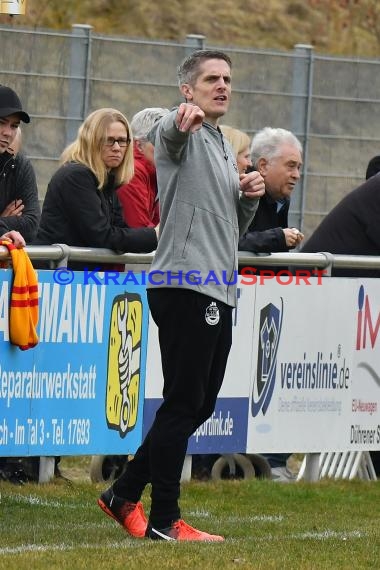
{"type": "Point", "coordinates": [277, 155]}
{"type": "Point", "coordinates": [373, 167]}
{"type": "Point", "coordinates": [138, 197]}
{"type": "Point", "coordinates": [19, 207]}
{"type": "Point", "coordinates": [81, 207]}
{"type": "Point", "coordinates": [351, 228]}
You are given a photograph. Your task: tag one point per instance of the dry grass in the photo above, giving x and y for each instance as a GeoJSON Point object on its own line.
{"type": "Point", "coordinates": [333, 26]}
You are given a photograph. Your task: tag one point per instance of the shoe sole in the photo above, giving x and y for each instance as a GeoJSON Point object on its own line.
{"type": "Point", "coordinates": [104, 508]}
{"type": "Point", "coordinates": [158, 535]}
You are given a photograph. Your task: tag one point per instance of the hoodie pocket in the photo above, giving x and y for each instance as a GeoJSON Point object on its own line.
{"type": "Point", "coordinates": [184, 227]}
{"type": "Point", "coordinates": [204, 240]}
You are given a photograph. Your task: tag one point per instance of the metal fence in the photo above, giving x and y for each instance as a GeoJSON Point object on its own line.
{"type": "Point", "coordinates": [58, 255]}
{"type": "Point", "coordinates": [332, 104]}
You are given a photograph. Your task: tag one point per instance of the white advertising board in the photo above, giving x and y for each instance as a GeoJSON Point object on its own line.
{"type": "Point", "coordinates": [303, 374]}
{"type": "Point", "coordinates": [364, 430]}
{"type": "Point", "coordinates": [226, 430]}
{"type": "Point", "coordinates": [301, 384]}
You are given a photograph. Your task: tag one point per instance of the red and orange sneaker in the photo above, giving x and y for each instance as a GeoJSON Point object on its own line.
{"type": "Point", "coordinates": [131, 516]}
{"type": "Point", "coordinates": [180, 530]}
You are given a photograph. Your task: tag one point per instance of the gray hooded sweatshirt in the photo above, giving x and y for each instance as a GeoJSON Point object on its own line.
{"type": "Point", "coordinates": [202, 214]}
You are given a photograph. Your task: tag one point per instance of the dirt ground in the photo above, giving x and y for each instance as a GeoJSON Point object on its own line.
{"type": "Point", "coordinates": [79, 468]}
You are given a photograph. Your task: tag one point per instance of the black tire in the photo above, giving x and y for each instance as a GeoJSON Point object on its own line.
{"type": "Point", "coordinates": [107, 468]}
{"type": "Point", "coordinates": [242, 467]}
{"type": "Point", "coordinates": [261, 466]}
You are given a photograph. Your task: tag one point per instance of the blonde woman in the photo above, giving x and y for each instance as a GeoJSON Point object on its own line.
{"type": "Point", "coordinates": [81, 207]}
{"type": "Point", "coordinates": [240, 143]}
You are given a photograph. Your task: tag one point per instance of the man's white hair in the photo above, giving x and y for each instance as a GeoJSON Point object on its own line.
{"type": "Point", "coordinates": [143, 121]}
{"type": "Point", "coordinates": [267, 143]}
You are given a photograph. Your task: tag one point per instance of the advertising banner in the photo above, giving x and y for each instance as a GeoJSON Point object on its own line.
{"type": "Point", "coordinates": [81, 389]}
{"type": "Point", "coordinates": [364, 428]}
{"type": "Point", "coordinates": [303, 373]}
{"type": "Point", "coordinates": [312, 388]}
{"type": "Point", "coordinates": [226, 430]}
{"type": "Point", "coordinates": [295, 379]}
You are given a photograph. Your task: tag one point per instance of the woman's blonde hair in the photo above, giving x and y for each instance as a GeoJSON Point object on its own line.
{"type": "Point", "coordinates": [87, 147]}
{"type": "Point", "coordinates": [237, 139]}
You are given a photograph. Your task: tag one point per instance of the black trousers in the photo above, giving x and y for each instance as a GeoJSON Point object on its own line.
{"type": "Point", "coordinates": [195, 333]}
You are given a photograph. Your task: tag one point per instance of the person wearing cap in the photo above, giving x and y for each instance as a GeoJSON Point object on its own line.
{"type": "Point", "coordinates": [19, 207]}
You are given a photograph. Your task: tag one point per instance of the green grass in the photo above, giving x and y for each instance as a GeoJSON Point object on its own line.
{"type": "Point", "coordinates": [329, 524]}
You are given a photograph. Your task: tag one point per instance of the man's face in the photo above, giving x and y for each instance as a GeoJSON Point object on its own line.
{"type": "Point", "coordinates": [281, 173]}
{"type": "Point", "coordinates": [211, 90]}
{"type": "Point", "coordinates": [8, 131]}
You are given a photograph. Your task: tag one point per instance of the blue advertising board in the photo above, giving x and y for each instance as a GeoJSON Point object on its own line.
{"type": "Point", "coordinates": [81, 389]}
{"type": "Point", "coordinates": [224, 432]}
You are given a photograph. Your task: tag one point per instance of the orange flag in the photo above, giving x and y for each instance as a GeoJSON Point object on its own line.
{"type": "Point", "coordinates": [23, 315]}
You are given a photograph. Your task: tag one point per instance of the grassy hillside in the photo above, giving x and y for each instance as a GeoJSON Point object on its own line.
{"type": "Point", "coordinates": [339, 27]}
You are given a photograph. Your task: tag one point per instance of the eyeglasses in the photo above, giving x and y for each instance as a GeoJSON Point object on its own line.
{"type": "Point", "coordinates": [123, 142]}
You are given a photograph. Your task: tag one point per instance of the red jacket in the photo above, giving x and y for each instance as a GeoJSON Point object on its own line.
{"type": "Point", "coordinates": [138, 198]}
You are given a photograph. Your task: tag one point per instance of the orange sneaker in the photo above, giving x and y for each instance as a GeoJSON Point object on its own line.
{"type": "Point", "coordinates": [131, 516]}
{"type": "Point", "coordinates": [180, 530]}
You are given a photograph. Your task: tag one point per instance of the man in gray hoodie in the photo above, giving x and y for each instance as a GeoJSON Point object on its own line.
{"type": "Point", "coordinates": [204, 207]}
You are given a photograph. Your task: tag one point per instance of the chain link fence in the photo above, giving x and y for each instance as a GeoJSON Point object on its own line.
{"type": "Point", "coordinates": [332, 104]}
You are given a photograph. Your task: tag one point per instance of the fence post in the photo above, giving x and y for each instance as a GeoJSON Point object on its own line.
{"type": "Point", "coordinates": [46, 470]}
{"type": "Point", "coordinates": [311, 472]}
{"type": "Point", "coordinates": [194, 42]}
{"type": "Point", "coordinates": [300, 125]}
{"type": "Point", "coordinates": [79, 85]}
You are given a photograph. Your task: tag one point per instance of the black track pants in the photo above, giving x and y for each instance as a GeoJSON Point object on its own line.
{"type": "Point", "coordinates": [195, 334]}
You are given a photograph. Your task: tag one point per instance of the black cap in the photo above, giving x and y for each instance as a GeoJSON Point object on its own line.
{"type": "Point", "coordinates": [10, 104]}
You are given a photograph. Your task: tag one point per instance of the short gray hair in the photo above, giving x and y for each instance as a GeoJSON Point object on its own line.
{"type": "Point", "coordinates": [267, 143]}
{"type": "Point", "coordinates": [143, 121]}
{"type": "Point", "coordinates": [189, 69]}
